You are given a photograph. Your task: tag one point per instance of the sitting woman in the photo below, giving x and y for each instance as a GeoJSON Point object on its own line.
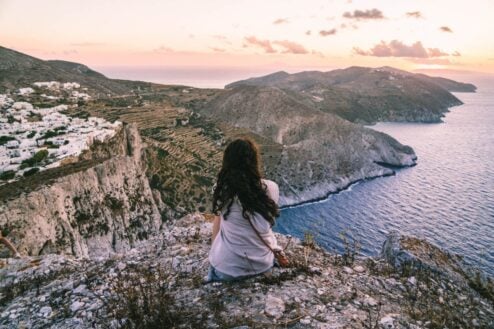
{"type": "Point", "coordinates": [246, 207]}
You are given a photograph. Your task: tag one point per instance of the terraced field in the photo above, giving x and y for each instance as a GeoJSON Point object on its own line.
{"type": "Point", "coordinates": [184, 150]}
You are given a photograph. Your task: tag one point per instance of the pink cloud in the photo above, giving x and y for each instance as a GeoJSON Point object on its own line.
{"type": "Point", "coordinates": [364, 14]}
{"type": "Point", "coordinates": [414, 14]}
{"type": "Point", "coordinates": [217, 50]}
{"type": "Point", "coordinates": [396, 48]}
{"type": "Point", "coordinates": [163, 49]}
{"type": "Point", "coordinates": [264, 44]}
{"type": "Point", "coordinates": [436, 52]}
{"type": "Point", "coordinates": [325, 33]}
{"type": "Point", "coordinates": [281, 21]}
{"type": "Point", "coordinates": [291, 47]}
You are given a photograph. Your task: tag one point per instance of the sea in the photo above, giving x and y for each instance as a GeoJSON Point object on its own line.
{"type": "Point", "coordinates": [447, 198]}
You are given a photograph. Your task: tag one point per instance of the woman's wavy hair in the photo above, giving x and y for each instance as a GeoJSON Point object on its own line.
{"type": "Point", "coordinates": [240, 176]}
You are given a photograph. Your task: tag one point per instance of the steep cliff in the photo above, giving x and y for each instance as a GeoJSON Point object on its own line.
{"type": "Point", "coordinates": [103, 205]}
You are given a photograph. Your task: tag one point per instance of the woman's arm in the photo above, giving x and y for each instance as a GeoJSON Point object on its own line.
{"type": "Point", "coordinates": [10, 246]}
{"type": "Point", "coordinates": [216, 227]}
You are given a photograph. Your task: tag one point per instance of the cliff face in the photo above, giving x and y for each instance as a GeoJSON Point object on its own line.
{"type": "Point", "coordinates": [106, 207]}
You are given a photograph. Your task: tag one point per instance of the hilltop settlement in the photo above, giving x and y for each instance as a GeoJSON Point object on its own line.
{"type": "Point", "coordinates": [34, 139]}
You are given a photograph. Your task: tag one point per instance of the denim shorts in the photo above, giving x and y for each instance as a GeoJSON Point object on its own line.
{"type": "Point", "coordinates": [216, 276]}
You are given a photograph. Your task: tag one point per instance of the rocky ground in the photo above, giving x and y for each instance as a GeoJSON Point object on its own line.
{"type": "Point", "coordinates": [159, 284]}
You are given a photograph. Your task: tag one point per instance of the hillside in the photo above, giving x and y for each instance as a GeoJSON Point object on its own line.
{"type": "Point", "coordinates": [321, 152]}
{"type": "Point", "coordinates": [18, 70]}
{"type": "Point", "coordinates": [368, 95]}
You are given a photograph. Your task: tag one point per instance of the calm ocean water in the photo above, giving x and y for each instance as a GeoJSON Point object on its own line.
{"type": "Point", "coordinates": [448, 198]}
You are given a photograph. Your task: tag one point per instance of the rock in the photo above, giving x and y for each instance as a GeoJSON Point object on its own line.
{"type": "Point", "coordinates": [359, 269]}
{"type": "Point", "coordinates": [347, 270]}
{"type": "Point", "coordinates": [393, 253]}
{"type": "Point", "coordinates": [45, 311]}
{"type": "Point", "coordinates": [75, 306]}
{"type": "Point", "coordinates": [387, 322]}
{"type": "Point", "coordinates": [369, 301]}
{"type": "Point", "coordinates": [274, 306]}
{"type": "Point", "coordinates": [121, 266]}
{"type": "Point", "coordinates": [80, 289]}
{"type": "Point", "coordinates": [305, 320]}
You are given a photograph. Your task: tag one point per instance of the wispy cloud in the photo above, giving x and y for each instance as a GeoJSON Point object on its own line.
{"type": "Point", "coordinates": [163, 49]}
{"type": "Point", "coordinates": [281, 21]}
{"type": "Point", "coordinates": [264, 44]}
{"type": "Point", "coordinates": [414, 14]}
{"type": "Point", "coordinates": [291, 47]}
{"type": "Point", "coordinates": [436, 52]}
{"type": "Point", "coordinates": [217, 50]}
{"type": "Point", "coordinates": [446, 29]}
{"type": "Point", "coordinates": [429, 61]}
{"type": "Point", "coordinates": [348, 26]}
{"type": "Point", "coordinates": [456, 54]}
{"type": "Point", "coordinates": [87, 44]}
{"type": "Point", "coordinates": [70, 52]}
{"type": "Point", "coordinates": [364, 14]}
{"type": "Point", "coordinates": [287, 47]}
{"type": "Point", "coordinates": [396, 48]}
{"type": "Point", "coordinates": [325, 33]}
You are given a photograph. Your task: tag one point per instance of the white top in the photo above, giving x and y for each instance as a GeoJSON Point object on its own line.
{"type": "Point", "coordinates": [237, 250]}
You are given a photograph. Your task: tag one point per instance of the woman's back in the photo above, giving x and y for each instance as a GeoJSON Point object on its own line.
{"type": "Point", "coordinates": [237, 250]}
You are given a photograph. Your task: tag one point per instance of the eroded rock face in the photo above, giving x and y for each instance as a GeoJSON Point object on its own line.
{"type": "Point", "coordinates": [102, 209]}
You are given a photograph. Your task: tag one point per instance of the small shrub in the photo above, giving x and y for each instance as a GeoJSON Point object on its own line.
{"type": "Point", "coordinates": [141, 299]}
{"type": "Point", "coordinates": [351, 248]}
{"type": "Point", "coordinates": [6, 175]}
{"type": "Point", "coordinates": [4, 139]}
{"type": "Point", "coordinates": [36, 159]}
{"type": "Point", "coordinates": [30, 172]}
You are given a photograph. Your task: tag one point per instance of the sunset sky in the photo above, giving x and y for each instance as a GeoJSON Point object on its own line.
{"type": "Point", "coordinates": [326, 34]}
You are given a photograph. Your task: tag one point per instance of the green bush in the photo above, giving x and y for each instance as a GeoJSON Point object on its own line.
{"type": "Point", "coordinates": [35, 159]}
{"type": "Point", "coordinates": [6, 175]}
{"type": "Point", "coordinates": [31, 172]}
{"type": "Point", "coordinates": [5, 139]}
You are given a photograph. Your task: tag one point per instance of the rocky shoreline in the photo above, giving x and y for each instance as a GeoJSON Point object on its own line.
{"type": "Point", "coordinates": [159, 283]}
{"type": "Point", "coordinates": [343, 188]}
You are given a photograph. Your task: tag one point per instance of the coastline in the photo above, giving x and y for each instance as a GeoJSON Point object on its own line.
{"type": "Point", "coordinates": [346, 187]}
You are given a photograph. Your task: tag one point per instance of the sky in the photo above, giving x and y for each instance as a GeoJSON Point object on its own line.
{"type": "Point", "coordinates": [275, 34]}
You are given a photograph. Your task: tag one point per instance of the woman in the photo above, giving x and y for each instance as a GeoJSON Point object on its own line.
{"type": "Point", "coordinates": [244, 203]}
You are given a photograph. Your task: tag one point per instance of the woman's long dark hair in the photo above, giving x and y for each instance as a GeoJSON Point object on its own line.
{"type": "Point", "coordinates": [240, 176]}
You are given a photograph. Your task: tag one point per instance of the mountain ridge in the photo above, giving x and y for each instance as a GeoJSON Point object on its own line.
{"type": "Point", "coordinates": [368, 95]}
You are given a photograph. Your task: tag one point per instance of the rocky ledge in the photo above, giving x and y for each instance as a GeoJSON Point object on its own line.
{"type": "Point", "coordinates": [159, 284]}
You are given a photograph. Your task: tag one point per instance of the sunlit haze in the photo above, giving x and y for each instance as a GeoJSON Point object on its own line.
{"type": "Point", "coordinates": [254, 36]}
